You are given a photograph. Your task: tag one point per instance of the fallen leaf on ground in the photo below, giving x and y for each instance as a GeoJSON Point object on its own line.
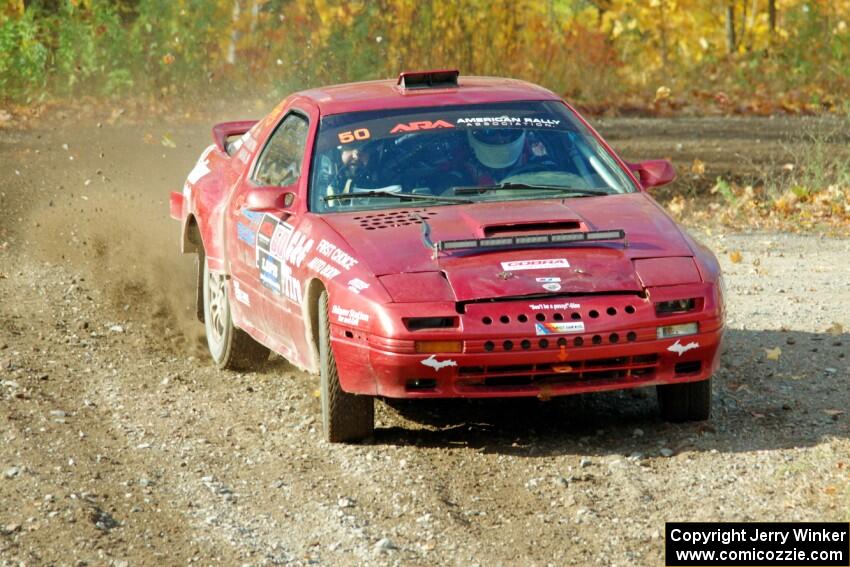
{"type": "Point", "coordinates": [757, 415]}
{"type": "Point", "coordinates": [168, 142]}
{"type": "Point", "coordinates": [773, 353]}
{"type": "Point", "coordinates": [698, 167]}
{"type": "Point", "coordinates": [836, 329]}
{"type": "Point", "coordinates": [735, 256]}
{"type": "Point", "coordinates": [833, 412]}
{"type": "Point", "coordinates": [662, 93]}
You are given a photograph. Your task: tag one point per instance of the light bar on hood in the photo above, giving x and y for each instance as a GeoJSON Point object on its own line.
{"type": "Point", "coordinates": [537, 239]}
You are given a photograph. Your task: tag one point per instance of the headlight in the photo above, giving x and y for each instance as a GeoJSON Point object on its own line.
{"type": "Point", "coordinates": [677, 330]}
{"type": "Point", "coordinates": [675, 306]}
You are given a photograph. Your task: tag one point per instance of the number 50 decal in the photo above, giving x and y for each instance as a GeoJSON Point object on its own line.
{"type": "Point", "coordinates": [351, 135]}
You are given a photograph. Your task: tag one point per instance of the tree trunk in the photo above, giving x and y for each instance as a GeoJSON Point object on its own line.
{"type": "Point", "coordinates": [771, 16]}
{"type": "Point", "coordinates": [731, 43]}
{"type": "Point", "coordinates": [234, 33]}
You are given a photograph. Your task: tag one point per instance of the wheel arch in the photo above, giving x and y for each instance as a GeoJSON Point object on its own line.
{"type": "Point", "coordinates": [313, 290]}
{"type": "Point", "coordinates": [191, 241]}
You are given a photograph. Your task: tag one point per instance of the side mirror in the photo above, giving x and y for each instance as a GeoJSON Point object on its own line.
{"type": "Point", "coordinates": [224, 130]}
{"type": "Point", "coordinates": [654, 173]}
{"type": "Point", "coordinates": [269, 199]}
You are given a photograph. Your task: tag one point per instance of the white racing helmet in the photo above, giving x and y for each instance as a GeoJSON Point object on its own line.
{"type": "Point", "coordinates": [497, 148]}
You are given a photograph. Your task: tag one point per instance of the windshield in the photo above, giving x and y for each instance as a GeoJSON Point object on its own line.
{"type": "Point", "coordinates": [495, 152]}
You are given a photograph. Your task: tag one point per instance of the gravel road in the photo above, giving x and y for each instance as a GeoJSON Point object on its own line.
{"type": "Point", "coordinates": [121, 445]}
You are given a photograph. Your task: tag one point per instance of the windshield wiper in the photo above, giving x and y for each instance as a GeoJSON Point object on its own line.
{"type": "Point", "coordinates": [509, 186]}
{"type": "Point", "coordinates": [396, 194]}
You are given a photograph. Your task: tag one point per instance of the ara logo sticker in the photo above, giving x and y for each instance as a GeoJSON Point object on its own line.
{"type": "Point", "coordinates": [559, 328]}
{"type": "Point", "coordinates": [681, 349]}
{"type": "Point", "coordinates": [421, 125]}
{"type": "Point", "coordinates": [432, 362]}
{"type": "Point", "coordinates": [552, 286]}
{"type": "Point", "coordinates": [548, 280]}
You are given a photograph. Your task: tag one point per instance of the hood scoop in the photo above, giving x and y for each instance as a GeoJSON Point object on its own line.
{"type": "Point", "coordinates": [531, 228]}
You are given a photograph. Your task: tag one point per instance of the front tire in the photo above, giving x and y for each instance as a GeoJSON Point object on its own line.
{"type": "Point", "coordinates": [231, 348]}
{"type": "Point", "coordinates": [345, 417]}
{"type": "Point", "coordinates": [690, 401]}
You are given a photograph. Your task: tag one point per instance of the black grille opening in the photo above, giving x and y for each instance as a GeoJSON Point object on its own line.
{"type": "Point", "coordinates": [489, 346]}
{"type": "Point", "coordinates": [540, 317]}
{"type": "Point", "coordinates": [544, 343]}
{"type": "Point", "coordinates": [631, 336]}
{"type": "Point", "coordinates": [525, 344]}
{"type": "Point", "coordinates": [611, 311]}
{"type": "Point", "coordinates": [421, 323]}
{"type": "Point", "coordinates": [578, 341]}
{"type": "Point", "coordinates": [508, 345]}
{"type": "Point", "coordinates": [575, 316]}
{"type": "Point", "coordinates": [630, 309]}
{"type": "Point", "coordinates": [522, 318]}
{"type": "Point", "coordinates": [688, 367]}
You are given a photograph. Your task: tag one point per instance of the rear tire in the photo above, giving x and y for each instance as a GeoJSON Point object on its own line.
{"type": "Point", "coordinates": [345, 417]}
{"type": "Point", "coordinates": [231, 348]}
{"type": "Point", "coordinates": [685, 402]}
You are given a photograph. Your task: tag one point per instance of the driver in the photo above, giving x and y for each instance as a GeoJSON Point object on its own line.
{"type": "Point", "coordinates": [497, 151]}
{"type": "Point", "coordinates": [354, 170]}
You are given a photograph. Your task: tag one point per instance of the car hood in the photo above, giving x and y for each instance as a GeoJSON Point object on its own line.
{"type": "Point", "coordinates": [390, 242]}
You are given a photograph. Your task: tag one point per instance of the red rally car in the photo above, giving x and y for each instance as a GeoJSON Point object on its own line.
{"type": "Point", "coordinates": [444, 236]}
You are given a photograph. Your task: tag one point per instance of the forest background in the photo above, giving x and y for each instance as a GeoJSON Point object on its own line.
{"type": "Point", "coordinates": [755, 56]}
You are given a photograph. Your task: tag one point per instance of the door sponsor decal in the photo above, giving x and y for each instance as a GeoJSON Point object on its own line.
{"type": "Point", "coordinates": [548, 280]}
{"type": "Point", "coordinates": [270, 272]}
{"type": "Point", "coordinates": [559, 328]}
{"type": "Point", "coordinates": [552, 286]}
{"type": "Point", "coordinates": [517, 265]}
{"type": "Point", "coordinates": [245, 233]}
{"type": "Point", "coordinates": [279, 247]}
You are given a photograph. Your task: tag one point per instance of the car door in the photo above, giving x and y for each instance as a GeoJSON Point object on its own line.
{"type": "Point", "coordinates": [279, 246]}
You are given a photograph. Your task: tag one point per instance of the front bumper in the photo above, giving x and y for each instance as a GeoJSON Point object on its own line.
{"type": "Point", "coordinates": [513, 360]}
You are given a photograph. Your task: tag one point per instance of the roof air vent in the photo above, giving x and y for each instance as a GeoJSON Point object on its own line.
{"type": "Point", "coordinates": [440, 79]}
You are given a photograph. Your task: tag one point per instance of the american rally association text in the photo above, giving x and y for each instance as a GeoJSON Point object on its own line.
{"type": "Point", "coordinates": [756, 534]}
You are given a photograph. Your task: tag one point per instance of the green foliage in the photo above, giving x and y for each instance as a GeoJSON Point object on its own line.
{"type": "Point", "coordinates": [23, 58]}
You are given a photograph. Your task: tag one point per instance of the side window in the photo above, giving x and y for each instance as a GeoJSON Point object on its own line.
{"type": "Point", "coordinates": [280, 162]}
